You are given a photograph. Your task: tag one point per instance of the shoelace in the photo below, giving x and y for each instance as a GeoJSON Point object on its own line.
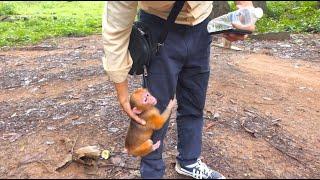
{"type": "Point", "coordinates": [201, 169]}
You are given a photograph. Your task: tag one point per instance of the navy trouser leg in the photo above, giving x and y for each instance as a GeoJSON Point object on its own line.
{"type": "Point", "coordinates": [162, 77]}
{"type": "Point", "coordinates": [183, 64]}
{"type": "Point", "coordinates": [191, 94]}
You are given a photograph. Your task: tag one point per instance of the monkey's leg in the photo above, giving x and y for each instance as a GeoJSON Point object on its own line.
{"type": "Point", "coordinates": [145, 148]}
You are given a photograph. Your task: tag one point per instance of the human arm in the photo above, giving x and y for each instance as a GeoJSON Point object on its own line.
{"type": "Point", "coordinates": [117, 23]}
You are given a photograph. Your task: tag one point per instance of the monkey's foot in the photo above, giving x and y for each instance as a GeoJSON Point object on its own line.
{"type": "Point", "coordinates": [156, 146]}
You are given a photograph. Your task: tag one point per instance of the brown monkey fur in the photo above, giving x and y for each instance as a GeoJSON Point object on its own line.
{"type": "Point", "coordinates": [138, 140]}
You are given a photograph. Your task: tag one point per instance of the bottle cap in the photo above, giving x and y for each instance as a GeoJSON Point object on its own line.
{"type": "Point", "coordinates": [258, 12]}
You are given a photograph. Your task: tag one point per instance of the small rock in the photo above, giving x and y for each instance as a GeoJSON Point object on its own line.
{"type": "Point", "coordinates": [43, 79]}
{"type": "Point", "coordinates": [77, 122]}
{"type": "Point", "coordinates": [57, 117]}
{"type": "Point", "coordinates": [232, 101]}
{"type": "Point", "coordinates": [116, 160]}
{"type": "Point", "coordinates": [296, 66]}
{"type": "Point", "coordinates": [51, 128]}
{"type": "Point", "coordinates": [13, 115]}
{"type": "Point", "coordinates": [18, 64]}
{"type": "Point", "coordinates": [88, 107]}
{"type": "Point", "coordinates": [285, 45]}
{"type": "Point", "coordinates": [30, 110]}
{"type": "Point", "coordinates": [234, 108]}
{"type": "Point", "coordinates": [216, 115]}
{"type": "Point", "coordinates": [113, 130]}
{"type": "Point", "coordinates": [49, 142]}
{"type": "Point", "coordinates": [267, 98]}
{"type": "Point", "coordinates": [34, 90]}
{"type": "Point", "coordinates": [14, 137]}
{"type": "Point", "coordinates": [27, 82]}
{"type": "Point", "coordinates": [210, 133]}
{"type": "Point", "coordinates": [2, 170]}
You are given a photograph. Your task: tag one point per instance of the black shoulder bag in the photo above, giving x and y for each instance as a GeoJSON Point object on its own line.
{"type": "Point", "coordinates": [141, 47]}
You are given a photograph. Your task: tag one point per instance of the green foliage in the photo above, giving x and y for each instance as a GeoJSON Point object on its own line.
{"type": "Point", "coordinates": [46, 19]}
{"type": "Point", "coordinates": [292, 16]}
{"type": "Point", "coordinates": [7, 9]}
{"type": "Point", "coordinates": [50, 19]}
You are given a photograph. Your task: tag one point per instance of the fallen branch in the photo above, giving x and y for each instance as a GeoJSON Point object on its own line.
{"type": "Point", "coordinates": [74, 144]}
{"type": "Point", "coordinates": [246, 129]}
{"type": "Point", "coordinates": [285, 153]}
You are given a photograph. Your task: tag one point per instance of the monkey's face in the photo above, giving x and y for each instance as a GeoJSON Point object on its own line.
{"type": "Point", "coordinates": [148, 99]}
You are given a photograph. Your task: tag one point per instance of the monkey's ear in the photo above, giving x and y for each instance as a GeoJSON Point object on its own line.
{"type": "Point", "coordinates": [136, 110]}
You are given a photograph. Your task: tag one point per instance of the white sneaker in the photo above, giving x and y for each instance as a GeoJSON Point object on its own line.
{"type": "Point", "coordinates": [198, 170]}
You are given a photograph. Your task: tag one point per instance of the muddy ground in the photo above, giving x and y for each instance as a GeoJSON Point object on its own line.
{"type": "Point", "coordinates": [262, 113]}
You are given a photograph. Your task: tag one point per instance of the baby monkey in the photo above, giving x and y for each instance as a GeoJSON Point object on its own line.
{"type": "Point", "coordinates": [138, 141]}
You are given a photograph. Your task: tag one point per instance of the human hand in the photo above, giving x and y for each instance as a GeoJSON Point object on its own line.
{"type": "Point", "coordinates": [123, 98]}
{"type": "Point", "coordinates": [235, 37]}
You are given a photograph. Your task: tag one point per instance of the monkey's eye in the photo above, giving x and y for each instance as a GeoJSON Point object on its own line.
{"type": "Point", "coordinates": [144, 99]}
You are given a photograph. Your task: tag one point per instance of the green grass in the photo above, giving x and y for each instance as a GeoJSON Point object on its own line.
{"type": "Point", "coordinates": [290, 16]}
{"type": "Point", "coordinates": [48, 19]}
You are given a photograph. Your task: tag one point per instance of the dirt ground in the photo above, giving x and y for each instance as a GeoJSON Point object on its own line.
{"type": "Point", "coordinates": [262, 113]}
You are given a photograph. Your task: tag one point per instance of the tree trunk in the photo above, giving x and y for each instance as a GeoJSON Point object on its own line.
{"type": "Point", "coordinates": [219, 8]}
{"type": "Point", "coordinates": [261, 4]}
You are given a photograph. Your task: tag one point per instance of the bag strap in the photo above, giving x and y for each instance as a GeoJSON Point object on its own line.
{"type": "Point", "coordinates": [177, 7]}
{"type": "Point", "coordinates": [170, 21]}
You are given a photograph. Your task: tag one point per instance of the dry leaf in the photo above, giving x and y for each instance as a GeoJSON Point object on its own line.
{"type": "Point", "coordinates": [88, 151]}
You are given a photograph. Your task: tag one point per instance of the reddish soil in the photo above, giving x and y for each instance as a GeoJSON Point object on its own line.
{"type": "Point", "coordinates": [262, 114]}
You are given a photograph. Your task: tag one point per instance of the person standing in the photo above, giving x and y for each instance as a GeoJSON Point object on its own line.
{"type": "Point", "coordinates": [183, 61]}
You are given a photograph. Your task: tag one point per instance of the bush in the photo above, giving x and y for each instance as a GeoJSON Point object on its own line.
{"type": "Point", "coordinates": [50, 19]}
{"type": "Point", "coordinates": [291, 16]}
{"type": "Point", "coordinates": [7, 9]}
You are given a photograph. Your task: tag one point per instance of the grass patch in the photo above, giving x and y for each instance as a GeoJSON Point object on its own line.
{"type": "Point", "coordinates": [289, 16]}
{"type": "Point", "coordinates": [48, 19]}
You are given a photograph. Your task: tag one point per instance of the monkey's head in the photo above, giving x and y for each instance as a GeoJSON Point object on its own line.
{"type": "Point", "coordinates": [141, 100]}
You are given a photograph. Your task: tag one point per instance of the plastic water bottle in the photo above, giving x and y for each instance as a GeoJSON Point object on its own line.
{"type": "Point", "coordinates": [245, 16]}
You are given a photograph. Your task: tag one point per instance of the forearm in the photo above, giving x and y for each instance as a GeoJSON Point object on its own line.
{"type": "Point", "coordinates": [122, 91]}
{"type": "Point", "coordinates": [166, 113]}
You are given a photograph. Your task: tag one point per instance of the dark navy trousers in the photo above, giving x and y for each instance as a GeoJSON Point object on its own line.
{"type": "Point", "coordinates": [182, 66]}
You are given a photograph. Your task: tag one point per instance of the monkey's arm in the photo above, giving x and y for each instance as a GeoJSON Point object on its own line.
{"type": "Point", "coordinates": [157, 120]}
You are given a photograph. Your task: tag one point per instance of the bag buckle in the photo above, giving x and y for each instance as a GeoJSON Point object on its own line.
{"type": "Point", "coordinates": [145, 73]}
{"type": "Point", "coordinates": [158, 47]}
{"type": "Point", "coordinates": [140, 30]}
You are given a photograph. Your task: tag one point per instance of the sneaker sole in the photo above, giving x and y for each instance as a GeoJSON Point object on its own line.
{"type": "Point", "coordinates": [178, 169]}
{"type": "Point", "coordinates": [182, 172]}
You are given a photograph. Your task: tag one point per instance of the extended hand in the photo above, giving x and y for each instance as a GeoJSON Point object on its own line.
{"type": "Point", "coordinates": [235, 37]}
{"type": "Point", "coordinates": [123, 97]}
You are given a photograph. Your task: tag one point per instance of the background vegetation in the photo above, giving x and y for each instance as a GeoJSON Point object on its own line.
{"type": "Point", "coordinates": [29, 22]}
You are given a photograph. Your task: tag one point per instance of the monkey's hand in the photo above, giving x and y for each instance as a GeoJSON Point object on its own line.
{"type": "Point", "coordinates": [156, 146]}
{"type": "Point", "coordinates": [172, 104]}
